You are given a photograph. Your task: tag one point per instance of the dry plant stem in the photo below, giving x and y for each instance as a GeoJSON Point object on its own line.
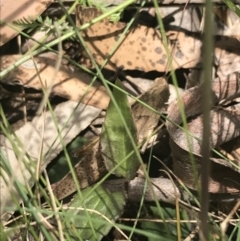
{"type": "Point", "coordinates": [59, 224]}
{"type": "Point", "coordinates": [57, 68]}
{"type": "Point", "coordinates": [225, 223]}
{"type": "Point", "coordinates": [45, 99]}
{"type": "Point", "coordinates": [157, 220]}
{"type": "Point", "coordinates": [218, 220]}
{"type": "Point", "coordinates": [192, 234]}
{"type": "Point", "coordinates": [206, 108]}
{"type": "Point", "coordinates": [164, 190]}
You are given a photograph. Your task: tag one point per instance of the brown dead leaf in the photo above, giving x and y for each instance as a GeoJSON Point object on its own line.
{"type": "Point", "coordinates": [142, 49]}
{"type": "Point", "coordinates": [145, 119]}
{"type": "Point", "coordinates": [67, 84]}
{"type": "Point", "coordinates": [236, 151]}
{"type": "Point", "coordinates": [18, 106]}
{"type": "Point", "coordinates": [39, 136]}
{"type": "Point", "coordinates": [227, 56]}
{"type": "Point", "coordinates": [225, 126]}
{"type": "Point", "coordinates": [13, 10]}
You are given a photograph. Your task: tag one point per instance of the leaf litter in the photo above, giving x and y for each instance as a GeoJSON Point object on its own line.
{"type": "Point", "coordinates": [39, 71]}
{"type": "Point", "coordinates": [12, 10]}
{"type": "Point", "coordinates": [147, 54]}
{"type": "Point", "coordinates": [40, 135]}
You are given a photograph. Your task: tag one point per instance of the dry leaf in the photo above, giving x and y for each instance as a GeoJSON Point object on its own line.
{"type": "Point", "coordinates": [145, 119]}
{"type": "Point", "coordinates": [13, 10]}
{"type": "Point", "coordinates": [68, 84]}
{"type": "Point", "coordinates": [142, 48]}
{"type": "Point", "coordinates": [225, 126]}
{"type": "Point", "coordinates": [42, 128]}
{"type": "Point", "coordinates": [227, 55]}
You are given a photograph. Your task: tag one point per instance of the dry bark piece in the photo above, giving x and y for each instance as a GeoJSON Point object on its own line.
{"type": "Point", "coordinates": [225, 126]}
{"type": "Point", "coordinates": [14, 10]}
{"type": "Point", "coordinates": [67, 84]}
